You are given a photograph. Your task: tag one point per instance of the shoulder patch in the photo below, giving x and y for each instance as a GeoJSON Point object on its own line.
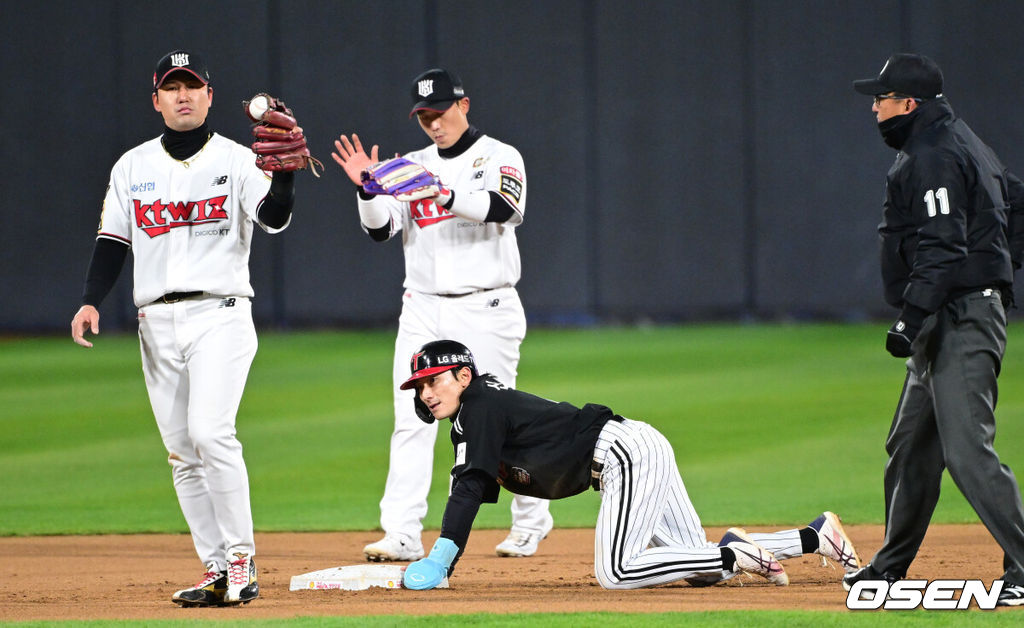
{"type": "Point", "coordinates": [511, 187]}
{"type": "Point", "coordinates": [512, 172]}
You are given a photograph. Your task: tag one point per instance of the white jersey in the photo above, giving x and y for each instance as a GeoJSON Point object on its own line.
{"type": "Point", "coordinates": [448, 254]}
{"type": "Point", "coordinates": [190, 222]}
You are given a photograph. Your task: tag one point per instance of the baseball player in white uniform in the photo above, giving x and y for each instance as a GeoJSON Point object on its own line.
{"type": "Point", "coordinates": [461, 268]}
{"type": "Point", "coordinates": [185, 204]}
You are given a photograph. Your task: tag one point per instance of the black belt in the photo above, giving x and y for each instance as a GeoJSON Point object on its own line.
{"type": "Point", "coordinates": [174, 297]}
{"type": "Point", "coordinates": [449, 295]}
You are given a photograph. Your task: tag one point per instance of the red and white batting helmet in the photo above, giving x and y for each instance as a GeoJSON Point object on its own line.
{"type": "Point", "coordinates": [437, 357]}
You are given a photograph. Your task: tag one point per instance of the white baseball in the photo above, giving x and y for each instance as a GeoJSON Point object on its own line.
{"type": "Point", "coordinates": [258, 106]}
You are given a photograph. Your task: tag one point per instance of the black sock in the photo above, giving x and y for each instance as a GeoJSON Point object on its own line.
{"type": "Point", "coordinates": [728, 559]}
{"type": "Point", "coordinates": [809, 541]}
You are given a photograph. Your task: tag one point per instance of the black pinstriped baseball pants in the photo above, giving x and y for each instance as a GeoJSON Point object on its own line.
{"type": "Point", "coordinates": [945, 420]}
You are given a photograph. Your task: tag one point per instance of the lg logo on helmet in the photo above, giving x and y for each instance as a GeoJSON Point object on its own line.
{"type": "Point", "coordinates": [936, 595]}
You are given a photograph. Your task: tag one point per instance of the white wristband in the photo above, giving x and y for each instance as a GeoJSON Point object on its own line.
{"type": "Point", "coordinates": [372, 214]}
{"type": "Point", "coordinates": [471, 205]}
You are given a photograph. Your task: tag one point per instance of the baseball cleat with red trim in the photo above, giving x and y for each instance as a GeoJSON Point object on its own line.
{"type": "Point", "coordinates": [209, 591]}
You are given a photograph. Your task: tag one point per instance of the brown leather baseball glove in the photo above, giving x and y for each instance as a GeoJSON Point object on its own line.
{"type": "Point", "coordinates": [280, 144]}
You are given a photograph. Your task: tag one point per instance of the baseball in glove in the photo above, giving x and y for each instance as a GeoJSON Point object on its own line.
{"type": "Point", "coordinates": [280, 144]}
{"type": "Point", "coordinates": [405, 180]}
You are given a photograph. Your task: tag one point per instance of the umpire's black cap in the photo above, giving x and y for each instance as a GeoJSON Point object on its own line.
{"type": "Point", "coordinates": [906, 74]}
{"type": "Point", "coordinates": [437, 357]}
{"type": "Point", "coordinates": [436, 90]}
{"type": "Point", "coordinates": [180, 60]}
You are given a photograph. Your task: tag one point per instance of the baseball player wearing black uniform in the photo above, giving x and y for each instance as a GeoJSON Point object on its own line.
{"type": "Point", "coordinates": [647, 532]}
{"type": "Point", "coordinates": [951, 238]}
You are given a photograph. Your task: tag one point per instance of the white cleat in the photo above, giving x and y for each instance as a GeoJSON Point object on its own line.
{"type": "Point", "coordinates": [833, 542]}
{"type": "Point", "coordinates": [393, 547]}
{"type": "Point", "coordinates": [522, 544]}
{"type": "Point", "coordinates": [242, 585]}
{"type": "Point", "coordinates": [752, 558]}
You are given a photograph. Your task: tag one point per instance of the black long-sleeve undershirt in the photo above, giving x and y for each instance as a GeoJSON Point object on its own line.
{"type": "Point", "coordinates": [107, 259]}
{"type": "Point", "coordinates": [276, 207]}
{"type": "Point", "coordinates": [460, 512]}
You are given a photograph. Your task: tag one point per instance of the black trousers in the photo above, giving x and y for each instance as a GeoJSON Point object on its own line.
{"type": "Point", "coordinates": [945, 419]}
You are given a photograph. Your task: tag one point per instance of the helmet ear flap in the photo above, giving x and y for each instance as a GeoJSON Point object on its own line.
{"type": "Point", "coordinates": [422, 411]}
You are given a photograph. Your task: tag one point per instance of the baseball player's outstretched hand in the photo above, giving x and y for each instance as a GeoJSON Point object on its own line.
{"type": "Point", "coordinates": [352, 158]}
{"type": "Point", "coordinates": [431, 571]}
{"type": "Point", "coordinates": [87, 318]}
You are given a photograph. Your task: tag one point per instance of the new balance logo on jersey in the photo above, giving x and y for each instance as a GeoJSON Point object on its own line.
{"type": "Point", "coordinates": [425, 212]}
{"type": "Point", "coordinates": [220, 180]}
{"type": "Point", "coordinates": [228, 302]}
{"type": "Point", "coordinates": [158, 218]}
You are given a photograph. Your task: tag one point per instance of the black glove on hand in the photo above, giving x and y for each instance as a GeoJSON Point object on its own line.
{"type": "Point", "coordinates": [903, 332]}
{"type": "Point", "coordinates": [1006, 296]}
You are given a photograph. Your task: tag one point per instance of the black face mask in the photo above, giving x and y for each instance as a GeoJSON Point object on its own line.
{"type": "Point", "coordinates": [896, 129]}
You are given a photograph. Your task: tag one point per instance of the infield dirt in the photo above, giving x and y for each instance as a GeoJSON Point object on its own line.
{"type": "Point", "coordinates": [133, 577]}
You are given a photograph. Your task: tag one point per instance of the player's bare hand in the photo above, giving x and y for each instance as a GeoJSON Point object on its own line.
{"type": "Point", "coordinates": [352, 158]}
{"type": "Point", "coordinates": [87, 319]}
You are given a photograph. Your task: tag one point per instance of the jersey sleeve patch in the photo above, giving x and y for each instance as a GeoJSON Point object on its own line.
{"type": "Point", "coordinates": [512, 172]}
{"type": "Point", "coordinates": [510, 186]}
{"type": "Point", "coordinates": [460, 454]}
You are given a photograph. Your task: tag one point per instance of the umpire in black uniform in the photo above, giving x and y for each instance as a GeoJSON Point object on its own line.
{"type": "Point", "coordinates": [950, 243]}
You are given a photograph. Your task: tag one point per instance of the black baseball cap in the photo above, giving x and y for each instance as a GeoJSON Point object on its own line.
{"type": "Point", "coordinates": [436, 90]}
{"type": "Point", "coordinates": [906, 74]}
{"type": "Point", "coordinates": [180, 60]}
{"type": "Point", "coordinates": [437, 357]}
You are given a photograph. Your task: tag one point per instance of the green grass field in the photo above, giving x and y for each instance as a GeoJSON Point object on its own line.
{"type": "Point", "coordinates": [771, 424]}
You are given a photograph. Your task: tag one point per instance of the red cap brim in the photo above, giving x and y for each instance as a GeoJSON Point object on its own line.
{"type": "Point", "coordinates": [420, 374]}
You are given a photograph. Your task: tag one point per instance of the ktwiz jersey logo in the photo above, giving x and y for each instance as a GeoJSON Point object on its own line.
{"type": "Point", "coordinates": [158, 218]}
{"type": "Point", "coordinates": [426, 212]}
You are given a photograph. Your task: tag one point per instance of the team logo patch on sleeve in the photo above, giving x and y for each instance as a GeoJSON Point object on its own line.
{"type": "Point", "coordinates": [512, 172]}
{"type": "Point", "coordinates": [511, 187]}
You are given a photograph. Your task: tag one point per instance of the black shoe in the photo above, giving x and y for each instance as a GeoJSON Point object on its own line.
{"type": "Point", "coordinates": [209, 591]}
{"type": "Point", "coordinates": [867, 572]}
{"type": "Point", "coordinates": [1011, 595]}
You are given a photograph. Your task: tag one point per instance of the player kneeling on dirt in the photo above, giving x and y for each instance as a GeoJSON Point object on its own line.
{"type": "Point", "coordinates": [648, 532]}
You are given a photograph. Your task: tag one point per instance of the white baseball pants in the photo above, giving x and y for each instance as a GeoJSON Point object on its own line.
{"type": "Point", "coordinates": [648, 531]}
{"type": "Point", "coordinates": [195, 357]}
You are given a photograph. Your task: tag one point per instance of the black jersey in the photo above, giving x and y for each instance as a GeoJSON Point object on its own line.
{"type": "Point", "coordinates": [530, 445]}
{"type": "Point", "coordinates": [948, 223]}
